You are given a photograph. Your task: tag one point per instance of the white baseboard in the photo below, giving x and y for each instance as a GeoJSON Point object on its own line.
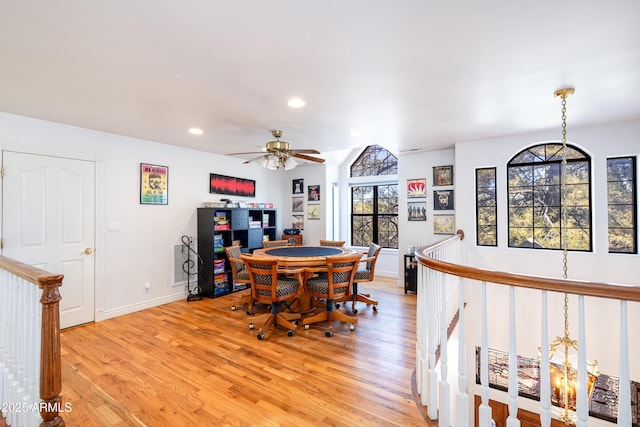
{"type": "Point", "coordinates": [109, 314]}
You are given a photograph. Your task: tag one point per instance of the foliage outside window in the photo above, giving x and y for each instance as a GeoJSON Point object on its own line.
{"type": "Point", "coordinates": [621, 204]}
{"type": "Point", "coordinates": [535, 199]}
{"type": "Point", "coordinates": [486, 209]}
{"type": "Point", "coordinates": [374, 207]}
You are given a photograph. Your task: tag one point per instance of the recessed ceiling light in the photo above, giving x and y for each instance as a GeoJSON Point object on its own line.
{"type": "Point", "coordinates": [296, 103]}
{"type": "Point", "coordinates": [195, 131]}
{"type": "Point", "coordinates": [356, 133]}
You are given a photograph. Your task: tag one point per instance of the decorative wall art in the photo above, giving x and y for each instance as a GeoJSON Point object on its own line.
{"type": "Point", "coordinates": [154, 184]}
{"type": "Point", "coordinates": [297, 204]}
{"type": "Point", "coordinates": [297, 186]}
{"type": "Point", "coordinates": [297, 221]}
{"type": "Point", "coordinates": [444, 224]}
{"type": "Point", "coordinates": [443, 175]}
{"type": "Point", "coordinates": [442, 200]}
{"type": "Point", "coordinates": [313, 212]}
{"type": "Point", "coordinates": [417, 211]}
{"type": "Point", "coordinates": [313, 193]}
{"type": "Point", "coordinates": [416, 188]}
{"type": "Point", "coordinates": [222, 184]}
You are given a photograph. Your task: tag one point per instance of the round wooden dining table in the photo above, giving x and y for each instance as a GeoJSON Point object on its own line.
{"type": "Point", "coordinates": [302, 256]}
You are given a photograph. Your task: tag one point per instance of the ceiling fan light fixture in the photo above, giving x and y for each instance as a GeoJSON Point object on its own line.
{"type": "Point", "coordinates": [290, 163]}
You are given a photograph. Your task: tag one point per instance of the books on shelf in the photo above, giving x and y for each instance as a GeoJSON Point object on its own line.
{"type": "Point", "coordinates": [255, 224]}
{"type": "Point", "coordinates": [221, 222]}
{"type": "Point", "coordinates": [265, 220]}
{"type": "Point", "coordinates": [219, 283]}
{"type": "Point", "coordinates": [218, 243]}
{"type": "Point", "coordinates": [218, 266]}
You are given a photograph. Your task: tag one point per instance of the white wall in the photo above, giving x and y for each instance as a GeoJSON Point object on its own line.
{"type": "Point", "coordinates": [141, 251]}
{"type": "Point", "coordinates": [602, 323]}
{"type": "Point", "coordinates": [416, 166]}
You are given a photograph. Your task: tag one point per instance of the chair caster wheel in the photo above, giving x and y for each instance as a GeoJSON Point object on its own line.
{"type": "Point", "coordinates": [337, 305]}
{"type": "Point", "coordinates": [352, 327]}
{"type": "Point", "coordinates": [248, 312]}
{"type": "Point", "coordinates": [260, 337]}
{"type": "Point", "coordinates": [289, 333]}
{"type": "Point", "coordinates": [250, 325]}
{"type": "Point", "coordinates": [328, 333]}
{"type": "Point", "coordinates": [375, 308]}
{"type": "Point", "coordinates": [306, 326]}
{"type": "Point", "coordinates": [355, 311]}
{"type": "Point", "coordinates": [233, 308]}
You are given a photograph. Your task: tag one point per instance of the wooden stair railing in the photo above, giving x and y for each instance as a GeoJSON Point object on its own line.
{"type": "Point", "coordinates": [50, 356]}
{"type": "Point", "coordinates": [434, 264]}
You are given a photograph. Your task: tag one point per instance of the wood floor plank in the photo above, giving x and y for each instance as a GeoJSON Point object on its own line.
{"type": "Point", "coordinates": [198, 363]}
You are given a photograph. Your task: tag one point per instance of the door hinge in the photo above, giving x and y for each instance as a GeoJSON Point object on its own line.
{"type": "Point", "coordinates": [2, 171]}
{"type": "Point", "coordinates": [2, 243]}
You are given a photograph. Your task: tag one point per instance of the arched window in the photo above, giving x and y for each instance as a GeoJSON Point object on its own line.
{"type": "Point", "coordinates": [535, 199]}
{"type": "Point", "coordinates": [374, 202]}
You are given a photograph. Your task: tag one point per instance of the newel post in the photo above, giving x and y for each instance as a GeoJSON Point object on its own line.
{"type": "Point", "coordinates": [50, 357]}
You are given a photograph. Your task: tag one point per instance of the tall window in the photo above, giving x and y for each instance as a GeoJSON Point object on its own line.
{"type": "Point", "coordinates": [535, 199]}
{"type": "Point", "coordinates": [486, 209]}
{"type": "Point", "coordinates": [374, 206]}
{"type": "Point", "coordinates": [621, 204]}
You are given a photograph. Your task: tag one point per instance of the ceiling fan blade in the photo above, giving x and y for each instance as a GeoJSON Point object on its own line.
{"type": "Point", "coordinates": [248, 152]}
{"type": "Point", "coordinates": [252, 160]}
{"type": "Point", "coordinates": [306, 151]}
{"type": "Point", "coordinates": [305, 157]}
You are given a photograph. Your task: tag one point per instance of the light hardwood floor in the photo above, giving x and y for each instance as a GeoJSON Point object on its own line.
{"type": "Point", "coordinates": [198, 364]}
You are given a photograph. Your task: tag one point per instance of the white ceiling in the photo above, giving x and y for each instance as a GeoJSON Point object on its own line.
{"type": "Point", "coordinates": [411, 74]}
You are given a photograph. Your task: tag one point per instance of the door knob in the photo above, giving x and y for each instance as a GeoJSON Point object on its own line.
{"type": "Point", "coordinates": [88, 251]}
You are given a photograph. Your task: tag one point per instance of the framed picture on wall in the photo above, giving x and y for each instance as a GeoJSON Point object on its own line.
{"type": "Point", "coordinates": [443, 175]}
{"type": "Point", "coordinates": [313, 212]}
{"type": "Point", "coordinates": [416, 188]}
{"type": "Point", "coordinates": [297, 221]}
{"type": "Point", "coordinates": [297, 186]}
{"type": "Point", "coordinates": [444, 224]}
{"type": "Point", "coordinates": [442, 200]}
{"type": "Point", "coordinates": [417, 211]}
{"type": "Point", "coordinates": [154, 184]}
{"type": "Point", "coordinates": [297, 204]}
{"type": "Point", "coordinates": [313, 193]}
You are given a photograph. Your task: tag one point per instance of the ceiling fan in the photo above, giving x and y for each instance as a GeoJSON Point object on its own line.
{"type": "Point", "coordinates": [278, 154]}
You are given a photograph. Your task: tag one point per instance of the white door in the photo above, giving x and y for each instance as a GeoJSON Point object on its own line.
{"type": "Point", "coordinates": [48, 215]}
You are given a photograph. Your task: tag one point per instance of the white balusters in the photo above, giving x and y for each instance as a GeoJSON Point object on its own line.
{"type": "Point", "coordinates": [462, 399]}
{"type": "Point", "coordinates": [444, 389]}
{"type": "Point", "coordinates": [545, 390]}
{"type": "Point", "coordinates": [512, 420]}
{"type": "Point", "coordinates": [484, 412]}
{"type": "Point", "coordinates": [624, 392]}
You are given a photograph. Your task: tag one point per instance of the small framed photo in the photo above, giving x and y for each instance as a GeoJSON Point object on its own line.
{"type": "Point", "coordinates": [442, 200]}
{"type": "Point", "coordinates": [297, 186]}
{"type": "Point", "coordinates": [313, 193]}
{"type": "Point", "coordinates": [154, 184]}
{"type": "Point", "coordinates": [443, 175]}
{"type": "Point", "coordinates": [417, 211]}
{"type": "Point", "coordinates": [416, 188]}
{"type": "Point", "coordinates": [313, 212]}
{"type": "Point", "coordinates": [297, 204]}
{"type": "Point", "coordinates": [444, 224]}
{"type": "Point", "coordinates": [297, 221]}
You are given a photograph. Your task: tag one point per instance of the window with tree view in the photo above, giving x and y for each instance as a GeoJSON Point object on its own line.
{"type": "Point", "coordinates": [486, 209]}
{"type": "Point", "coordinates": [374, 207]}
{"type": "Point", "coordinates": [621, 204]}
{"type": "Point", "coordinates": [536, 202]}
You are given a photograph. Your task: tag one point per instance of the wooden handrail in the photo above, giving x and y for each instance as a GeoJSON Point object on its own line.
{"type": "Point", "coordinates": [50, 357]}
{"type": "Point", "coordinates": [594, 289]}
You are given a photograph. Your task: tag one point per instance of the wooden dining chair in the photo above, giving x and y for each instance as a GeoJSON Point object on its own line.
{"type": "Point", "coordinates": [240, 275]}
{"type": "Point", "coordinates": [365, 273]}
{"type": "Point", "coordinates": [274, 243]}
{"type": "Point", "coordinates": [335, 243]}
{"type": "Point", "coordinates": [274, 286]}
{"type": "Point", "coordinates": [334, 284]}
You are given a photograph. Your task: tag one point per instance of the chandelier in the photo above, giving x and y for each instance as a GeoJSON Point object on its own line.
{"type": "Point", "coordinates": [563, 350]}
